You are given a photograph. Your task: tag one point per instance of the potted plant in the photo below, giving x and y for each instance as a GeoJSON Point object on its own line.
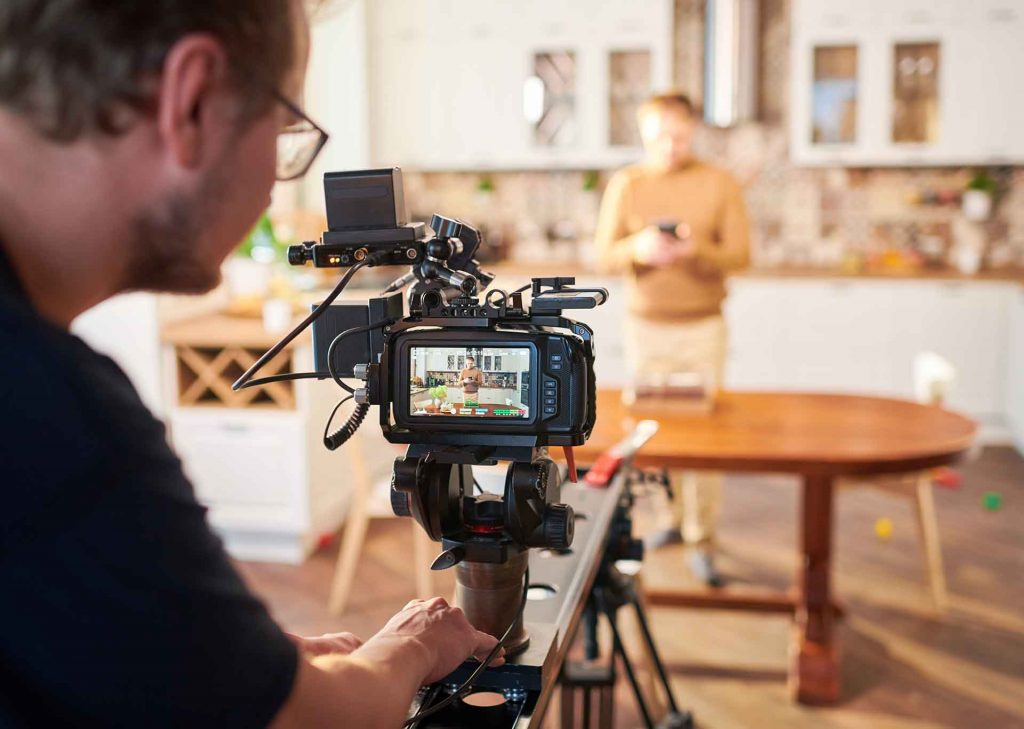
{"type": "Point", "coordinates": [977, 199]}
{"type": "Point", "coordinates": [440, 394]}
{"type": "Point", "coordinates": [248, 272]}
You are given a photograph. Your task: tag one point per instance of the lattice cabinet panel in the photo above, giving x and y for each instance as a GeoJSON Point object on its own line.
{"type": "Point", "coordinates": [205, 374]}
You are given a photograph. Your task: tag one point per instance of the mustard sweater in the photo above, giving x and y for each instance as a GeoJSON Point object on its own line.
{"type": "Point", "coordinates": [710, 201]}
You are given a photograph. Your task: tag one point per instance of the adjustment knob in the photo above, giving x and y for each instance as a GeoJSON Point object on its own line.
{"type": "Point", "coordinates": [400, 503]}
{"type": "Point", "coordinates": [559, 526]}
{"type": "Point", "coordinates": [299, 254]}
{"type": "Point", "coordinates": [445, 227]}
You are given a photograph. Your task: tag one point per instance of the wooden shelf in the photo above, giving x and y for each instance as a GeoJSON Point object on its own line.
{"type": "Point", "coordinates": [205, 375]}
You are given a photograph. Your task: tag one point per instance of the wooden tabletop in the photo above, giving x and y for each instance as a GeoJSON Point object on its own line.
{"type": "Point", "coordinates": [789, 432]}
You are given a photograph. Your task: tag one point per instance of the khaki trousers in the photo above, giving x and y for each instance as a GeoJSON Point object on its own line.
{"type": "Point", "coordinates": [660, 348]}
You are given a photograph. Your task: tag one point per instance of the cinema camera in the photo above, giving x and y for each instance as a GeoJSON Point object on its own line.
{"type": "Point", "coordinates": [541, 391]}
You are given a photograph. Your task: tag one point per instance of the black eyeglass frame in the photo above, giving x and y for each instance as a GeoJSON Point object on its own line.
{"type": "Point", "coordinates": [302, 116]}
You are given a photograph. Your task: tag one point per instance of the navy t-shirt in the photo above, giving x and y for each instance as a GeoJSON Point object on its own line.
{"type": "Point", "coordinates": [118, 605]}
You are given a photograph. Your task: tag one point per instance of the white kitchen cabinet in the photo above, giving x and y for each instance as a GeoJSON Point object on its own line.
{"type": "Point", "coordinates": [861, 336]}
{"type": "Point", "coordinates": [978, 110]}
{"type": "Point", "coordinates": [1015, 370]}
{"type": "Point", "coordinates": [271, 487]}
{"type": "Point", "coordinates": [446, 78]}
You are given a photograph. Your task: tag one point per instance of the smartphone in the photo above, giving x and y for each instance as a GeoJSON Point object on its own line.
{"type": "Point", "coordinates": [668, 227]}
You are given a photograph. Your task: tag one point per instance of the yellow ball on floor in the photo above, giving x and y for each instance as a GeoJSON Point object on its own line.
{"type": "Point", "coordinates": [883, 528]}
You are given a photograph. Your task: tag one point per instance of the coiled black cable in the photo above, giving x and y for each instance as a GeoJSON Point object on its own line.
{"type": "Point", "coordinates": [333, 441]}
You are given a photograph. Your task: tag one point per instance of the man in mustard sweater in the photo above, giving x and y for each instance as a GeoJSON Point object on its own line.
{"type": "Point", "coordinates": [676, 226]}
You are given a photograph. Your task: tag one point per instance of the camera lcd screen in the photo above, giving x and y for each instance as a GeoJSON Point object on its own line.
{"type": "Point", "coordinates": [469, 382]}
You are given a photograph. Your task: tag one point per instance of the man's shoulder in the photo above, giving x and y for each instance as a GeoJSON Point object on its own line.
{"type": "Point", "coordinates": [721, 176]}
{"type": "Point", "coordinates": [52, 382]}
{"type": "Point", "coordinates": [630, 174]}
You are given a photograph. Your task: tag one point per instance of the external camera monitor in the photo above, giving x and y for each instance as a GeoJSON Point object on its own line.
{"type": "Point", "coordinates": [469, 382]}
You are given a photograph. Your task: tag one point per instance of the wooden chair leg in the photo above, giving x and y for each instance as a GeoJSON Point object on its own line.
{"type": "Point", "coordinates": [929, 530]}
{"type": "Point", "coordinates": [423, 556]}
{"type": "Point", "coordinates": [355, 532]}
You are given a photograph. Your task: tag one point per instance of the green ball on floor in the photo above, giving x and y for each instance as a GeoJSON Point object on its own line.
{"type": "Point", "coordinates": [992, 500]}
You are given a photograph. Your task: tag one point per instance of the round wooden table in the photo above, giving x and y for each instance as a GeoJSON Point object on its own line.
{"type": "Point", "coordinates": [817, 436]}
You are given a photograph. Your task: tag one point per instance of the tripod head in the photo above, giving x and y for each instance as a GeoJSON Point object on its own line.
{"type": "Point", "coordinates": [485, 536]}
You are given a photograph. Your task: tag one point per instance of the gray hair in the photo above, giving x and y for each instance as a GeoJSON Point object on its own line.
{"type": "Point", "coordinates": [71, 67]}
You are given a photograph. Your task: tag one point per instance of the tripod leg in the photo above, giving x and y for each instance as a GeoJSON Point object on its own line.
{"type": "Point", "coordinates": [641, 618]}
{"type": "Point", "coordinates": [620, 650]}
{"type": "Point", "coordinates": [591, 648]}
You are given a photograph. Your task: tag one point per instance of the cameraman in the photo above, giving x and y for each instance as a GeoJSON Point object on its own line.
{"type": "Point", "coordinates": [676, 226]}
{"type": "Point", "coordinates": [137, 143]}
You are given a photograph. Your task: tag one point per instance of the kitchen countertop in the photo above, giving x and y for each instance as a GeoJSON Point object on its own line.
{"type": "Point", "coordinates": [221, 329]}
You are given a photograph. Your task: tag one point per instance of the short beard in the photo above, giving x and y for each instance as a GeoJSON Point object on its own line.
{"type": "Point", "coordinates": [165, 254]}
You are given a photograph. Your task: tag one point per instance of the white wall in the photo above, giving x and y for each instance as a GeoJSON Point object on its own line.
{"type": "Point", "coordinates": [337, 94]}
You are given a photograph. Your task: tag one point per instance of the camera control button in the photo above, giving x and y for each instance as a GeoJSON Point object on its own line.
{"type": "Point", "coordinates": [549, 410]}
{"type": "Point", "coordinates": [550, 401]}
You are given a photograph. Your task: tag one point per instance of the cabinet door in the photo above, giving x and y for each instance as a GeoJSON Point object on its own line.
{"type": "Point", "coordinates": [862, 337]}
{"type": "Point", "coordinates": [967, 323]}
{"type": "Point", "coordinates": [808, 336]}
{"type": "Point", "coordinates": [249, 468]}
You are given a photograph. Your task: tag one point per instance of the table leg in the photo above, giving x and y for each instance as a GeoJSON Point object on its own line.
{"type": "Point", "coordinates": [814, 653]}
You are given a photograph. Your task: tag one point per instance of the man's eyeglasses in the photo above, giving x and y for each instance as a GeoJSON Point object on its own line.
{"type": "Point", "coordinates": [298, 144]}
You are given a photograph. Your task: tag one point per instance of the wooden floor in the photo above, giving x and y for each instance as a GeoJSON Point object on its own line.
{"type": "Point", "coordinates": [904, 665]}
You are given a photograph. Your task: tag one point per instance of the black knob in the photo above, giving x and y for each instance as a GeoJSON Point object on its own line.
{"type": "Point", "coordinates": [559, 526]}
{"type": "Point", "coordinates": [445, 227]}
{"type": "Point", "coordinates": [400, 503]}
{"type": "Point", "coordinates": [299, 254]}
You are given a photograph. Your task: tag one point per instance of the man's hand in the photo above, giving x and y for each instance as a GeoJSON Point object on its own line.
{"type": "Point", "coordinates": [327, 644]}
{"type": "Point", "coordinates": [373, 686]}
{"type": "Point", "coordinates": [654, 247]}
{"type": "Point", "coordinates": [442, 633]}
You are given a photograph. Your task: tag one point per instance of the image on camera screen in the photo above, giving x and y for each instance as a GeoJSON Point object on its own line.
{"type": "Point", "coordinates": [474, 382]}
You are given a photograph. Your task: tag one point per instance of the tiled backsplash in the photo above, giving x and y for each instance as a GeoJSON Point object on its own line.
{"type": "Point", "coordinates": [800, 216]}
